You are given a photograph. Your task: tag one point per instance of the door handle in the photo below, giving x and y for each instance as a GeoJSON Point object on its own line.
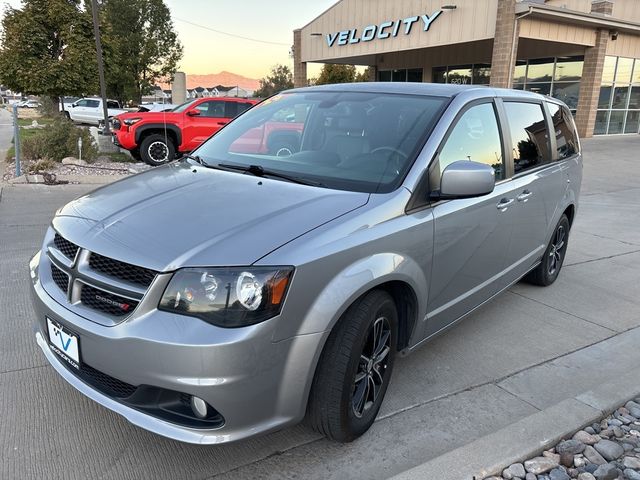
{"type": "Point", "coordinates": [222, 123]}
{"type": "Point", "coordinates": [504, 203]}
{"type": "Point", "coordinates": [524, 196]}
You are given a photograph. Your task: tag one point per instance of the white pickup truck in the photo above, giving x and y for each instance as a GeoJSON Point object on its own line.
{"type": "Point", "coordinates": [89, 110]}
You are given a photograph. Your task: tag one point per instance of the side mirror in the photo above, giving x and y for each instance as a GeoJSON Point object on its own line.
{"type": "Point", "coordinates": [466, 179]}
{"type": "Point", "coordinates": [193, 113]}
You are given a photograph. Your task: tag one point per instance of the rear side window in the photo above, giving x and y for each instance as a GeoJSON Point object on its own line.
{"type": "Point", "coordinates": [529, 136]}
{"type": "Point", "coordinates": [231, 109]}
{"type": "Point", "coordinates": [243, 107]}
{"type": "Point", "coordinates": [474, 137]}
{"type": "Point", "coordinates": [112, 104]}
{"type": "Point", "coordinates": [93, 103]}
{"type": "Point", "coordinates": [564, 130]}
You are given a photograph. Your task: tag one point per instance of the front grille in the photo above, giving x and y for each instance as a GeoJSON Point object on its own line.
{"type": "Point", "coordinates": [67, 248]}
{"type": "Point", "coordinates": [106, 302]}
{"type": "Point", "coordinates": [122, 271]}
{"type": "Point", "coordinates": [105, 383]}
{"type": "Point", "coordinates": [60, 278]}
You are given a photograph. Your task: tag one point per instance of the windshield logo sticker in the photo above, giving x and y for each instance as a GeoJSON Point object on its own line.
{"type": "Point", "coordinates": [382, 31]}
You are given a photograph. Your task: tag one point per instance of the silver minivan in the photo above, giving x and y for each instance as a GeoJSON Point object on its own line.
{"type": "Point", "coordinates": [276, 273]}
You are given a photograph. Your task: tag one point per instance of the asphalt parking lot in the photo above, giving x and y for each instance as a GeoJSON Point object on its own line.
{"type": "Point", "coordinates": [526, 350]}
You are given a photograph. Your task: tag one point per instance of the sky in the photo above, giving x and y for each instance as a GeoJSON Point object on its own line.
{"type": "Point", "coordinates": [206, 51]}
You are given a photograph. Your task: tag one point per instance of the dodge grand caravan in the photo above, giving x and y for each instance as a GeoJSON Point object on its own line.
{"type": "Point", "coordinates": [238, 291]}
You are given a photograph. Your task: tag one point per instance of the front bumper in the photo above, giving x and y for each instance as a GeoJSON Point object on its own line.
{"type": "Point", "coordinates": [256, 384]}
{"type": "Point", "coordinates": [125, 138]}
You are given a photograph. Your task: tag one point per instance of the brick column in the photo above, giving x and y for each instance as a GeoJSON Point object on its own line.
{"type": "Point", "coordinates": [605, 7]}
{"type": "Point", "coordinates": [590, 84]}
{"type": "Point", "coordinates": [299, 67]}
{"type": "Point", "coordinates": [502, 60]}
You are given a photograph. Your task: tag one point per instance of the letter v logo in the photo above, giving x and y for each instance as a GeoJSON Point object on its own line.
{"type": "Point", "coordinates": [64, 344]}
{"type": "Point", "coordinates": [331, 38]}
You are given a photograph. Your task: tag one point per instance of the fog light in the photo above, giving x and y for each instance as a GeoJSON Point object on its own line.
{"type": "Point", "coordinates": [199, 407]}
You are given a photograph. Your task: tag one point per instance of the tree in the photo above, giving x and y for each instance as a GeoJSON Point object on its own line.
{"type": "Point", "coordinates": [364, 76]}
{"type": "Point", "coordinates": [47, 48]}
{"type": "Point", "coordinates": [141, 46]}
{"type": "Point", "coordinates": [333, 73]}
{"type": "Point", "coordinates": [280, 79]}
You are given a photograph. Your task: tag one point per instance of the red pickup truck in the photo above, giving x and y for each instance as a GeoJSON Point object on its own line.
{"type": "Point", "coordinates": [156, 137]}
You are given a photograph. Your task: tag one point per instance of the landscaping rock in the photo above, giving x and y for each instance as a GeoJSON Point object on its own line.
{"type": "Point", "coordinates": [586, 476]}
{"type": "Point", "coordinates": [631, 474]}
{"type": "Point", "coordinates": [631, 462]}
{"type": "Point", "coordinates": [593, 456]}
{"type": "Point", "coordinates": [570, 446]}
{"type": "Point", "coordinates": [514, 471]}
{"type": "Point", "coordinates": [557, 474]}
{"type": "Point", "coordinates": [585, 437]}
{"type": "Point", "coordinates": [540, 465]}
{"type": "Point", "coordinates": [607, 471]}
{"type": "Point", "coordinates": [530, 476]}
{"type": "Point", "coordinates": [609, 450]}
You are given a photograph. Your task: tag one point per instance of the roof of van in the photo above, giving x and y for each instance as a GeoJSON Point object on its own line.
{"type": "Point", "coordinates": [408, 88]}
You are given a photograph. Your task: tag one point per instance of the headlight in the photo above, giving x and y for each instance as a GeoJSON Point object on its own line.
{"type": "Point", "coordinates": [131, 121]}
{"type": "Point", "coordinates": [228, 297]}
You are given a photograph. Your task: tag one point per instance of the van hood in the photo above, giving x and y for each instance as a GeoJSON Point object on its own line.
{"type": "Point", "coordinates": [184, 214]}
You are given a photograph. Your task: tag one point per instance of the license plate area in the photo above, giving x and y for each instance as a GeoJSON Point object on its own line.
{"type": "Point", "coordinates": [64, 343]}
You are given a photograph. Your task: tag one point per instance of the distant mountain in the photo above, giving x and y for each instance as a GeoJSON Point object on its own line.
{"type": "Point", "coordinates": [226, 79]}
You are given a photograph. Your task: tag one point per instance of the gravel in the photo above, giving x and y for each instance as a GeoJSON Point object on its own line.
{"type": "Point", "coordinates": [103, 166]}
{"type": "Point", "coordinates": [608, 450]}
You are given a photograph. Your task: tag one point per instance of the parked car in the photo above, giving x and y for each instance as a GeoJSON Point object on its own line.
{"type": "Point", "coordinates": [238, 291]}
{"type": "Point", "coordinates": [156, 137]}
{"type": "Point", "coordinates": [90, 110]}
{"type": "Point", "coordinates": [156, 107]}
{"type": "Point", "coordinates": [29, 104]}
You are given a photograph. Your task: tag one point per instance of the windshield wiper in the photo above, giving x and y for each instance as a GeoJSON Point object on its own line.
{"type": "Point", "coordinates": [196, 158]}
{"type": "Point", "coordinates": [260, 171]}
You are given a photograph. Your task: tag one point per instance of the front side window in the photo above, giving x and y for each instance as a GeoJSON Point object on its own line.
{"type": "Point", "coordinates": [353, 141]}
{"type": "Point", "coordinates": [215, 109]}
{"type": "Point", "coordinates": [82, 103]}
{"type": "Point", "coordinates": [529, 137]}
{"type": "Point", "coordinates": [93, 103]}
{"type": "Point", "coordinates": [475, 137]}
{"type": "Point", "coordinates": [566, 137]}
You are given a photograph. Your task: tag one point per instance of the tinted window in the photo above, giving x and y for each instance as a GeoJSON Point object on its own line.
{"type": "Point", "coordinates": [112, 104]}
{"type": "Point", "coordinates": [81, 103]}
{"type": "Point", "coordinates": [231, 109]}
{"type": "Point", "coordinates": [93, 103]}
{"type": "Point", "coordinates": [215, 109]}
{"type": "Point", "coordinates": [566, 138]}
{"type": "Point", "coordinates": [475, 137]}
{"type": "Point", "coordinates": [243, 107]}
{"type": "Point", "coordinates": [529, 138]}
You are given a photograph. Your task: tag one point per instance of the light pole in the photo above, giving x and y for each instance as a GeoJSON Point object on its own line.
{"type": "Point", "coordinates": [103, 88]}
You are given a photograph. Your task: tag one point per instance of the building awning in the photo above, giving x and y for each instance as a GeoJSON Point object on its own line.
{"type": "Point", "coordinates": [572, 17]}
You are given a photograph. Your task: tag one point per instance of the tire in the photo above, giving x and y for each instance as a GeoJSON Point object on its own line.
{"type": "Point", "coordinates": [333, 409]}
{"type": "Point", "coordinates": [157, 150]}
{"type": "Point", "coordinates": [67, 115]}
{"type": "Point", "coordinates": [283, 150]}
{"type": "Point", "coordinates": [547, 272]}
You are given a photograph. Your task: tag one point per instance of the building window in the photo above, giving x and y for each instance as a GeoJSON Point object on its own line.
{"type": "Point", "coordinates": [401, 75]}
{"type": "Point", "coordinates": [619, 101]}
{"type": "Point", "coordinates": [558, 77]}
{"type": "Point", "coordinates": [475, 74]}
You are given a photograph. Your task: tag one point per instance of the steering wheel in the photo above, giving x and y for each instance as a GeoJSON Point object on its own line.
{"type": "Point", "coordinates": [392, 150]}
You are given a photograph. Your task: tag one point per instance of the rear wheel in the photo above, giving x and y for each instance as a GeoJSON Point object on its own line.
{"type": "Point", "coordinates": [547, 272]}
{"type": "Point", "coordinates": [157, 149]}
{"type": "Point", "coordinates": [354, 369]}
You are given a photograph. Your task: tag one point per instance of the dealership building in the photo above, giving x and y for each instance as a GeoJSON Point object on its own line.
{"type": "Point", "coordinates": [584, 52]}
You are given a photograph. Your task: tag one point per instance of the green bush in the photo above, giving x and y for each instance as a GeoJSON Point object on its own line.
{"type": "Point", "coordinates": [57, 141]}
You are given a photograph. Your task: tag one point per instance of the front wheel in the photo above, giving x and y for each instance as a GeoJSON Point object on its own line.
{"type": "Point", "coordinates": [547, 272]}
{"type": "Point", "coordinates": [157, 149]}
{"type": "Point", "coordinates": [354, 369]}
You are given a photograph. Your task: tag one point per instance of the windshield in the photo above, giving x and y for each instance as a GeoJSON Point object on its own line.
{"type": "Point", "coordinates": [183, 107]}
{"type": "Point", "coordinates": [344, 140]}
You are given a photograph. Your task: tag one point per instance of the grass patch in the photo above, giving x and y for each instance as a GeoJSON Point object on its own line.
{"type": "Point", "coordinates": [118, 157]}
{"type": "Point", "coordinates": [26, 122]}
{"type": "Point", "coordinates": [24, 134]}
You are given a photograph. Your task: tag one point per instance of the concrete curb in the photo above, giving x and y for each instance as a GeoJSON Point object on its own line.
{"type": "Point", "coordinates": [528, 437]}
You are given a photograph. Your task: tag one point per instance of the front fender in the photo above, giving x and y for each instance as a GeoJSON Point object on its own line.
{"type": "Point", "coordinates": [354, 281]}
